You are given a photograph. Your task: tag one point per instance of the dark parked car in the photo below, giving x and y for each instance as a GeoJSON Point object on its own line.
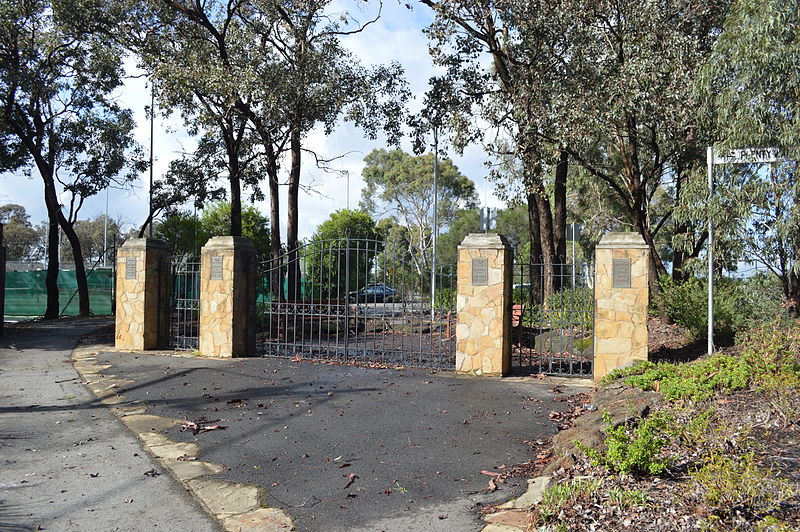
{"type": "Point", "coordinates": [373, 293]}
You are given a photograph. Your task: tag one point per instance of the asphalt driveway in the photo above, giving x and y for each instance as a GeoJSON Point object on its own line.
{"type": "Point", "coordinates": [348, 448]}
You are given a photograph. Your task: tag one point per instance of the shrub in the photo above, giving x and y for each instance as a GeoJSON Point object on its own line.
{"type": "Point", "coordinates": [571, 306]}
{"type": "Point", "coordinates": [627, 498]}
{"type": "Point", "coordinates": [558, 496]}
{"type": "Point", "coordinates": [686, 304]}
{"type": "Point", "coordinates": [728, 483]}
{"type": "Point", "coordinates": [769, 360]}
{"type": "Point", "coordinates": [639, 452]}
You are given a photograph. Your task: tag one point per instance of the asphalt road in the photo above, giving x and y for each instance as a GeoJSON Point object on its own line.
{"type": "Point", "coordinates": [347, 448]}
{"type": "Point", "coordinates": [66, 462]}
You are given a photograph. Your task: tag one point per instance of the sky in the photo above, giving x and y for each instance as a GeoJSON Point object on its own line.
{"type": "Point", "coordinates": [396, 36]}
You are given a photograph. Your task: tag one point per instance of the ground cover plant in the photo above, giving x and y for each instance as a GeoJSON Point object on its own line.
{"type": "Point", "coordinates": [721, 453]}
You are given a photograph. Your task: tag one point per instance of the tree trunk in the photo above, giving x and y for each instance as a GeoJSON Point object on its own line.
{"type": "Point", "coordinates": [535, 259]}
{"type": "Point", "coordinates": [80, 269]}
{"type": "Point", "coordinates": [548, 243]}
{"type": "Point", "coordinates": [656, 266]}
{"type": "Point", "coordinates": [293, 273]}
{"type": "Point", "coordinates": [51, 280]}
{"type": "Point", "coordinates": [560, 219]}
{"type": "Point", "coordinates": [236, 195]}
{"type": "Point", "coordinates": [274, 269]}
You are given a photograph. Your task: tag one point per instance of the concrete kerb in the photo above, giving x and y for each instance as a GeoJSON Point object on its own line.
{"type": "Point", "coordinates": [238, 507]}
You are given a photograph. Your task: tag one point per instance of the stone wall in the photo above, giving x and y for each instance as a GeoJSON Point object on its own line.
{"type": "Point", "coordinates": [228, 297]}
{"type": "Point", "coordinates": [483, 333]}
{"type": "Point", "coordinates": [621, 301]}
{"type": "Point", "coordinates": [143, 290]}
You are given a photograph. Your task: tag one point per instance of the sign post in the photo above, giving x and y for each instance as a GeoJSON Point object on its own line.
{"type": "Point", "coordinates": [733, 156]}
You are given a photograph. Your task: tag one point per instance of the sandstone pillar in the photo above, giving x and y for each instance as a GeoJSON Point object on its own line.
{"type": "Point", "coordinates": [2, 279]}
{"type": "Point", "coordinates": [621, 299]}
{"type": "Point", "coordinates": [142, 300]}
{"type": "Point", "coordinates": [483, 333]}
{"type": "Point", "coordinates": [228, 297]}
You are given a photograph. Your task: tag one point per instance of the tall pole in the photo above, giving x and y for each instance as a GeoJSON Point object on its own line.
{"type": "Point", "coordinates": [435, 215]}
{"type": "Point", "coordinates": [152, 115]}
{"type": "Point", "coordinates": [347, 173]}
{"type": "Point", "coordinates": [105, 232]}
{"type": "Point", "coordinates": [710, 156]}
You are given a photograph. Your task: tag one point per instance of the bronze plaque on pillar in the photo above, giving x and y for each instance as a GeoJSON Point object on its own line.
{"type": "Point", "coordinates": [130, 268]}
{"type": "Point", "coordinates": [480, 271]}
{"type": "Point", "coordinates": [216, 268]}
{"type": "Point", "coordinates": [621, 273]}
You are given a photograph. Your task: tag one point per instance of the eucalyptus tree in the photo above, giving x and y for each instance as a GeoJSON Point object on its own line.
{"type": "Point", "coordinates": [57, 77]}
{"type": "Point", "coordinates": [751, 83]}
{"type": "Point", "coordinates": [609, 83]}
{"type": "Point", "coordinates": [398, 185]}
{"type": "Point", "coordinates": [513, 93]}
{"type": "Point", "coordinates": [196, 54]}
{"type": "Point", "coordinates": [630, 108]}
{"type": "Point", "coordinates": [275, 71]}
{"type": "Point", "coordinates": [318, 83]}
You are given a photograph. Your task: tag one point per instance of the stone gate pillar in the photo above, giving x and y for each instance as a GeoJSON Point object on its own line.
{"type": "Point", "coordinates": [228, 297]}
{"type": "Point", "coordinates": [621, 300]}
{"type": "Point", "coordinates": [483, 333]}
{"type": "Point", "coordinates": [142, 301]}
{"type": "Point", "coordinates": [2, 280]}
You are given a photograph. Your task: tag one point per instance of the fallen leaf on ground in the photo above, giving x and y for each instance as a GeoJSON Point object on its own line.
{"type": "Point", "coordinates": [352, 477]}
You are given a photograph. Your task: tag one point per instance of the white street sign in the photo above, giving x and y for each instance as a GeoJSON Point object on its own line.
{"type": "Point", "coordinates": [748, 155]}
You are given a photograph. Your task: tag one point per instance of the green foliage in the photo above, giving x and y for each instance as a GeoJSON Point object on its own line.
{"type": "Point", "coordinates": [769, 359]}
{"type": "Point", "coordinates": [738, 303]}
{"type": "Point", "coordinates": [400, 185]}
{"type": "Point", "coordinates": [181, 231]}
{"type": "Point", "coordinates": [216, 221]}
{"type": "Point", "coordinates": [571, 306]}
{"type": "Point", "coordinates": [637, 450]}
{"type": "Point", "coordinates": [560, 495]}
{"type": "Point", "coordinates": [19, 236]}
{"type": "Point", "coordinates": [686, 304]}
{"type": "Point", "coordinates": [326, 254]}
{"type": "Point", "coordinates": [730, 483]}
{"type": "Point", "coordinates": [186, 234]}
{"type": "Point", "coordinates": [627, 498]}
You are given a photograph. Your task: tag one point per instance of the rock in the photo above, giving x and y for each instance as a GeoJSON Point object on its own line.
{"type": "Point", "coordinates": [564, 462]}
{"type": "Point", "coordinates": [564, 441]}
{"type": "Point", "coordinates": [518, 518]}
{"type": "Point", "coordinates": [531, 497]}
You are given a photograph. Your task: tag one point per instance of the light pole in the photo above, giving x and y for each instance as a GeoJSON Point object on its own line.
{"type": "Point", "coordinates": [435, 215]}
{"type": "Point", "coordinates": [105, 231]}
{"type": "Point", "coordinates": [152, 115]}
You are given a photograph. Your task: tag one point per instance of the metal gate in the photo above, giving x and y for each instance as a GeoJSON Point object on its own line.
{"type": "Point", "coordinates": [185, 304]}
{"type": "Point", "coordinates": [552, 319]}
{"type": "Point", "coordinates": [357, 301]}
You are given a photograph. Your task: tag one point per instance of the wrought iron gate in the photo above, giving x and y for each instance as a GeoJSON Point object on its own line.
{"type": "Point", "coordinates": [185, 304]}
{"type": "Point", "coordinates": [357, 301]}
{"type": "Point", "coordinates": [552, 319]}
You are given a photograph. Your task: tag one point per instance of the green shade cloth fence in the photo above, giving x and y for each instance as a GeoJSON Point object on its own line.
{"type": "Point", "coordinates": [26, 296]}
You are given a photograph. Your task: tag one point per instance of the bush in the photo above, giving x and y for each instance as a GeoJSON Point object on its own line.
{"type": "Point", "coordinates": [686, 304]}
{"type": "Point", "coordinates": [728, 483]}
{"type": "Point", "coordinates": [769, 360]}
{"type": "Point", "coordinates": [639, 452]}
{"type": "Point", "coordinates": [556, 497]}
{"type": "Point", "coordinates": [571, 306]}
{"type": "Point", "coordinates": [738, 303]}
